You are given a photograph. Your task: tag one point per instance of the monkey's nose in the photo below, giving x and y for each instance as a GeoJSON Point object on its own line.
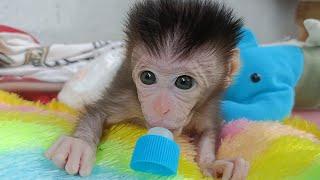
{"type": "Point", "coordinates": [165, 111]}
{"type": "Point", "coordinates": [161, 104]}
{"type": "Point", "coordinates": [162, 110]}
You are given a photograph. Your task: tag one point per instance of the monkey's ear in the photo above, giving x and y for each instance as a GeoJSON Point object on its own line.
{"type": "Point", "coordinates": [233, 66]}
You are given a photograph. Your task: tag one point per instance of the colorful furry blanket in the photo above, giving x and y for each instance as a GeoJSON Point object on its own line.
{"type": "Point", "coordinates": [27, 129]}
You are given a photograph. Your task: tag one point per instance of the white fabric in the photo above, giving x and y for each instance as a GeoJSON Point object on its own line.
{"type": "Point", "coordinates": [313, 28]}
{"type": "Point", "coordinates": [21, 56]}
{"type": "Point", "coordinates": [88, 84]}
{"type": "Point", "coordinates": [15, 43]}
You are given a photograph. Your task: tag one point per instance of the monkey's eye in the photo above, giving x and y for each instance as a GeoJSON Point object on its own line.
{"type": "Point", "coordinates": [148, 77]}
{"type": "Point", "coordinates": [255, 77]}
{"type": "Point", "coordinates": [184, 82]}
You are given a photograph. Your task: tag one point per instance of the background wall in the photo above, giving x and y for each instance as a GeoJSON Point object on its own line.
{"type": "Point", "coordinates": [72, 21]}
{"type": "Point", "coordinates": [271, 20]}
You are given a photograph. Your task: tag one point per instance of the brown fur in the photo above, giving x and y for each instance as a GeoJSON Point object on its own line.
{"type": "Point", "coordinates": [120, 103]}
{"type": "Point", "coordinates": [213, 68]}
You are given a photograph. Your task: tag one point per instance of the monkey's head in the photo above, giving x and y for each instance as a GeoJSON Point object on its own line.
{"type": "Point", "coordinates": [182, 54]}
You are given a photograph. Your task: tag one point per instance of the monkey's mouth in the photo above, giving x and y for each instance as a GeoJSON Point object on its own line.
{"type": "Point", "coordinates": [162, 123]}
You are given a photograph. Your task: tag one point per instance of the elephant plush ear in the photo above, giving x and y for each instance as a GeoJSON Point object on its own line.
{"type": "Point", "coordinates": [248, 39]}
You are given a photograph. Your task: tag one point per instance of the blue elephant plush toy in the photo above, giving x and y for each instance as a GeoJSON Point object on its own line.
{"type": "Point", "coordinates": [264, 87]}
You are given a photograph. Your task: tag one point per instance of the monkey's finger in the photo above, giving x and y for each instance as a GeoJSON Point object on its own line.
{"type": "Point", "coordinates": [206, 172]}
{"type": "Point", "coordinates": [73, 163]}
{"type": "Point", "coordinates": [227, 173]}
{"type": "Point", "coordinates": [87, 160]}
{"type": "Point", "coordinates": [247, 167]}
{"type": "Point", "coordinates": [60, 156]}
{"type": "Point", "coordinates": [239, 169]}
{"type": "Point", "coordinates": [245, 170]}
{"type": "Point", "coordinates": [49, 153]}
{"type": "Point", "coordinates": [217, 173]}
{"type": "Point", "coordinates": [226, 166]}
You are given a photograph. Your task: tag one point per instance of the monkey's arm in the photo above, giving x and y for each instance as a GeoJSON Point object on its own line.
{"type": "Point", "coordinates": [208, 127]}
{"type": "Point", "coordinates": [234, 169]}
{"type": "Point", "coordinates": [76, 153]}
{"type": "Point", "coordinates": [91, 125]}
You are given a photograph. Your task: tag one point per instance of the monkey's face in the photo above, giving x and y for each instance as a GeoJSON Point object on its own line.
{"type": "Point", "coordinates": [169, 88]}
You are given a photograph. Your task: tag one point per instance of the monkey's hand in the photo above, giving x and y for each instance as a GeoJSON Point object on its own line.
{"type": "Point", "coordinates": [74, 155]}
{"type": "Point", "coordinates": [228, 170]}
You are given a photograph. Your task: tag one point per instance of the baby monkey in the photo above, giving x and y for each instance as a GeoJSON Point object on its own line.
{"type": "Point", "coordinates": [180, 57]}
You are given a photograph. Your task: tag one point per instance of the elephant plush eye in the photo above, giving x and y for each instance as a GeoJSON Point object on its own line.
{"type": "Point", "coordinates": [255, 77]}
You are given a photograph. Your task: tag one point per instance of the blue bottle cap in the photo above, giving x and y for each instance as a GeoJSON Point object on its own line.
{"type": "Point", "coordinates": [156, 153]}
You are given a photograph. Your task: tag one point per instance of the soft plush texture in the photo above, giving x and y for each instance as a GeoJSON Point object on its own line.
{"type": "Point", "coordinates": [275, 151]}
{"type": "Point", "coordinates": [272, 98]}
{"type": "Point", "coordinates": [27, 129]}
